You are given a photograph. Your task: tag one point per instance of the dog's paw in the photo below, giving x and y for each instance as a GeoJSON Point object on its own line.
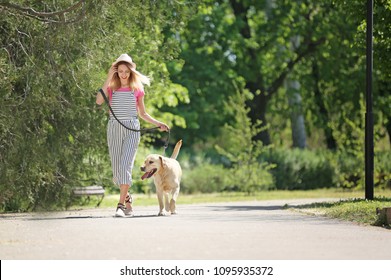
{"type": "Point", "coordinates": [174, 213]}
{"type": "Point", "coordinates": [162, 213]}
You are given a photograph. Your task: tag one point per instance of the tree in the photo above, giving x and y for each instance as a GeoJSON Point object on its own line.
{"type": "Point", "coordinates": [51, 133]}
{"type": "Point", "coordinates": [59, 17]}
{"type": "Point", "coordinates": [240, 41]}
{"type": "Point", "coordinates": [250, 43]}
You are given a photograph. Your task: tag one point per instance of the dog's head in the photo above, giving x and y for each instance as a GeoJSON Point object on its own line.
{"type": "Point", "coordinates": [152, 164]}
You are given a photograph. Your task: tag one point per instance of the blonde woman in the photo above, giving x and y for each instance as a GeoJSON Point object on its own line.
{"type": "Point", "coordinates": [124, 89]}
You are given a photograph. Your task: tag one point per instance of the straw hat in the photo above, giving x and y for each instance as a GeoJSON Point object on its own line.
{"type": "Point", "coordinates": [126, 58]}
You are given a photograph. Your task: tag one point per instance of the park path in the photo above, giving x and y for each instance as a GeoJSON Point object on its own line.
{"type": "Point", "coordinates": [224, 231]}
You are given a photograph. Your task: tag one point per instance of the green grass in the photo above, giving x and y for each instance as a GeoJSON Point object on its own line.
{"type": "Point", "coordinates": [351, 206]}
{"type": "Point", "coordinates": [360, 211]}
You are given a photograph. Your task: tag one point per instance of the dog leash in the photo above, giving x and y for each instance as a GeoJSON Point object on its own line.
{"type": "Point", "coordinates": [141, 130]}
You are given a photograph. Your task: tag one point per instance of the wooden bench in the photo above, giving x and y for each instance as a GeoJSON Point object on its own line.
{"type": "Point", "coordinates": [88, 192]}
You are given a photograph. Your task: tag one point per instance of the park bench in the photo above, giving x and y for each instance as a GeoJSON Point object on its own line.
{"type": "Point", "coordinates": [89, 191]}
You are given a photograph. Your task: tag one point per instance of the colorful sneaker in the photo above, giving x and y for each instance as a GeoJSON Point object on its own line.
{"type": "Point", "coordinates": [120, 212]}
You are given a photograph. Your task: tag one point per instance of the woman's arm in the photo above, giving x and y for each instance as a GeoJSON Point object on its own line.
{"type": "Point", "coordinates": [110, 74]}
{"type": "Point", "coordinates": [145, 116]}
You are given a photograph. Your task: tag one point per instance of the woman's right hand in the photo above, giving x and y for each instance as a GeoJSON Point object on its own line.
{"type": "Point", "coordinates": [112, 71]}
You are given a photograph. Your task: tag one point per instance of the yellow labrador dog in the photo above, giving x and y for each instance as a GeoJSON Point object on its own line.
{"type": "Point", "coordinates": [167, 175]}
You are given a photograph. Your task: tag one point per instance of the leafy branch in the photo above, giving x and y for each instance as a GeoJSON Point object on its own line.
{"type": "Point", "coordinates": [47, 17]}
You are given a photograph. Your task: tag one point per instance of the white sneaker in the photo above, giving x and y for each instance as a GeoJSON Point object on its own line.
{"type": "Point", "coordinates": [120, 212]}
{"type": "Point", "coordinates": [128, 200]}
{"type": "Point", "coordinates": [128, 211]}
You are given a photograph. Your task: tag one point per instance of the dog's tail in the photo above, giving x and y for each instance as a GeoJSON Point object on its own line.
{"type": "Point", "coordinates": [176, 149]}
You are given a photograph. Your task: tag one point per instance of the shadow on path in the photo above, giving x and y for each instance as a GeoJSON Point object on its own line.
{"type": "Point", "coordinates": [48, 218]}
{"type": "Point", "coordinates": [246, 208]}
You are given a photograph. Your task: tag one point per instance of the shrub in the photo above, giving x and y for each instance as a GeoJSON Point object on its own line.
{"type": "Point", "coordinates": [246, 173]}
{"type": "Point", "coordinates": [349, 170]}
{"type": "Point", "coordinates": [382, 170]}
{"type": "Point", "coordinates": [297, 169]}
{"type": "Point", "coordinates": [205, 178]}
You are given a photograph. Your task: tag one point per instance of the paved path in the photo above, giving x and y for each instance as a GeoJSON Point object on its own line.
{"type": "Point", "coordinates": [227, 231]}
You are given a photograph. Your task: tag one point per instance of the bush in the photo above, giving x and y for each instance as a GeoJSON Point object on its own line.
{"type": "Point", "coordinates": [208, 178]}
{"type": "Point", "coordinates": [349, 171]}
{"type": "Point", "coordinates": [205, 178]}
{"type": "Point", "coordinates": [250, 179]}
{"type": "Point", "coordinates": [297, 169]}
{"type": "Point", "coordinates": [382, 176]}
{"type": "Point", "coordinates": [304, 169]}
{"type": "Point", "coordinates": [241, 151]}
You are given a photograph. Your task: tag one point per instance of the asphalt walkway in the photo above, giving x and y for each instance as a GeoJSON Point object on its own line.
{"type": "Point", "coordinates": [219, 231]}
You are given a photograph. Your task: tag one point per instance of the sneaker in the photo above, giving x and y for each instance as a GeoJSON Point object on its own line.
{"type": "Point", "coordinates": [128, 211]}
{"type": "Point", "coordinates": [120, 212]}
{"type": "Point", "coordinates": [128, 200]}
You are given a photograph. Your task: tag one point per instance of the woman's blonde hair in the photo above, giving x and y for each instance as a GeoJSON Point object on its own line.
{"type": "Point", "coordinates": [136, 79]}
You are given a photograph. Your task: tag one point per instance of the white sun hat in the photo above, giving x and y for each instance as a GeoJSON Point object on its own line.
{"type": "Point", "coordinates": [126, 58]}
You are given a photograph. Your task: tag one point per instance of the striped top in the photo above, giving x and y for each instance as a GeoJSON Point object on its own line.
{"type": "Point", "coordinates": [124, 103]}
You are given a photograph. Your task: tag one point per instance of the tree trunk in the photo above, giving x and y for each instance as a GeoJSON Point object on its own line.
{"type": "Point", "coordinates": [299, 138]}
{"type": "Point", "coordinates": [259, 104]}
{"type": "Point", "coordinates": [257, 112]}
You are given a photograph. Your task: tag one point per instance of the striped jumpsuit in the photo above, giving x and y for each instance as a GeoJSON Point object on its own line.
{"type": "Point", "coordinates": [123, 143]}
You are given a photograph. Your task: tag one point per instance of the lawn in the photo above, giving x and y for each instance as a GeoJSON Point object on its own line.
{"type": "Point", "coordinates": [356, 210]}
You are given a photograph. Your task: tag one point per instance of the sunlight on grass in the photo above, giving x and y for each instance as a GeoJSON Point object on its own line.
{"type": "Point", "coordinates": [360, 211]}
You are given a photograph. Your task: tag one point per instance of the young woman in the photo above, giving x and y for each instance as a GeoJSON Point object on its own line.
{"type": "Point", "coordinates": [124, 88]}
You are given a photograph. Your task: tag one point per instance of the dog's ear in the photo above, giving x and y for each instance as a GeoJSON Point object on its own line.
{"type": "Point", "coordinates": [162, 162]}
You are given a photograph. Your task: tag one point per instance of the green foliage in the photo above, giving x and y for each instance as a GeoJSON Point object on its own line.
{"type": "Point", "coordinates": [249, 43]}
{"type": "Point", "coordinates": [297, 169]}
{"type": "Point", "coordinates": [52, 135]}
{"type": "Point", "coordinates": [349, 171]}
{"type": "Point", "coordinates": [246, 173]}
{"type": "Point", "coordinates": [205, 177]}
{"type": "Point", "coordinates": [382, 176]}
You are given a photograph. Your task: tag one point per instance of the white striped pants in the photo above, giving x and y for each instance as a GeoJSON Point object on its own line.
{"type": "Point", "coordinates": [123, 144]}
